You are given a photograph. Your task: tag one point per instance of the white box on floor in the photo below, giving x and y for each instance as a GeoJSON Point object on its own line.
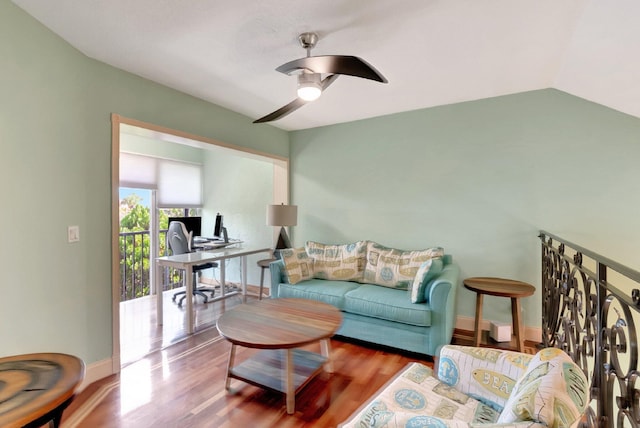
{"type": "Point", "coordinates": [500, 332]}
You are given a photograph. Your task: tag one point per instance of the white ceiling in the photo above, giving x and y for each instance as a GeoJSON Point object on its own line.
{"type": "Point", "coordinates": [433, 52]}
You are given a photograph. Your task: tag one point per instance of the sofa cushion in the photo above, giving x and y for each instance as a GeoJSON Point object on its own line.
{"type": "Point", "coordinates": [415, 398]}
{"type": "Point", "coordinates": [331, 292]}
{"type": "Point", "coordinates": [388, 304]}
{"type": "Point", "coordinates": [338, 262]}
{"type": "Point", "coordinates": [427, 271]}
{"type": "Point", "coordinates": [298, 266]}
{"type": "Point", "coordinates": [489, 375]}
{"type": "Point", "coordinates": [553, 391]}
{"type": "Point", "coordinates": [394, 268]}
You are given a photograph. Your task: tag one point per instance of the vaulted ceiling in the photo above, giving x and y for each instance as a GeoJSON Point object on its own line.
{"type": "Point", "coordinates": [433, 52]}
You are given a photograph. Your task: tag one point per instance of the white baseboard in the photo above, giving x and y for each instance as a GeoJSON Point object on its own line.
{"type": "Point", "coordinates": [533, 334]}
{"type": "Point", "coordinates": [96, 371]}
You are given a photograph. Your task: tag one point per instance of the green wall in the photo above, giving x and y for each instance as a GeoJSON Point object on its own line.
{"type": "Point", "coordinates": [480, 179]}
{"type": "Point", "coordinates": [239, 188]}
{"type": "Point", "coordinates": [55, 168]}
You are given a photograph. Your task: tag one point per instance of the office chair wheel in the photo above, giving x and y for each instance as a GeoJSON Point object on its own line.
{"type": "Point", "coordinates": [181, 300]}
{"type": "Point", "coordinates": [205, 298]}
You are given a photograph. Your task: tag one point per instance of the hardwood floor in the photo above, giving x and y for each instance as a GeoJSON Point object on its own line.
{"type": "Point", "coordinates": [181, 383]}
{"type": "Point", "coordinates": [183, 386]}
{"type": "Point", "coordinates": [139, 334]}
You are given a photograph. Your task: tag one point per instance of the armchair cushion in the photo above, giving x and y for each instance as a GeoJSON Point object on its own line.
{"type": "Point", "coordinates": [415, 398]}
{"type": "Point", "coordinates": [486, 374]}
{"type": "Point", "coordinates": [471, 384]}
{"type": "Point", "coordinates": [553, 391]}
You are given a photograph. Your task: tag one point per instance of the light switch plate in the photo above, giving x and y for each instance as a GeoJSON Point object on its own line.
{"type": "Point", "coordinates": [73, 233]}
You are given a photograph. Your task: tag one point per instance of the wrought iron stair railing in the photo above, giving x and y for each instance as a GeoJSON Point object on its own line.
{"type": "Point", "coordinates": [590, 307]}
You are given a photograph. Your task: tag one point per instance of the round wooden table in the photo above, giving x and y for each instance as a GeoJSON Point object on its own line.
{"type": "Point", "coordinates": [277, 326]}
{"type": "Point", "coordinates": [263, 264]}
{"type": "Point", "coordinates": [36, 388]}
{"type": "Point", "coordinates": [500, 287]}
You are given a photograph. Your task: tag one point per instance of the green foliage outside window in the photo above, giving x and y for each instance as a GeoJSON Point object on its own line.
{"type": "Point", "coordinates": [135, 246]}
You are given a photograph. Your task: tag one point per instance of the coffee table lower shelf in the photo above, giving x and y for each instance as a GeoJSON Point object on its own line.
{"type": "Point", "coordinates": [267, 369]}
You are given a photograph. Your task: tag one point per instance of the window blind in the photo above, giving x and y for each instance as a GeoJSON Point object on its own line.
{"type": "Point", "coordinates": [178, 184]}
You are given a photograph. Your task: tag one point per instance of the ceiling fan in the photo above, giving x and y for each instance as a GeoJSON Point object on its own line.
{"type": "Point", "coordinates": [310, 70]}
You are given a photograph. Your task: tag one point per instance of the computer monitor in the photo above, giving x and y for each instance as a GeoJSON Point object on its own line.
{"type": "Point", "coordinates": [217, 229]}
{"type": "Point", "coordinates": [193, 224]}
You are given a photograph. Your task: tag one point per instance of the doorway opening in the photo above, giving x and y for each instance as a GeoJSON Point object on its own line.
{"type": "Point", "coordinates": [235, 180]}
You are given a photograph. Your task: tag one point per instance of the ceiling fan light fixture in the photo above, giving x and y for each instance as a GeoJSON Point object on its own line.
{"type": "Point", "coordinates": [310, 70]}
{"type": "Point", "coordinates": [309, 86]}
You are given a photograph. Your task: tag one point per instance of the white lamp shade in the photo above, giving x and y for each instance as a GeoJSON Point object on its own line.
{"type": "Point", "coordinates": [309, 86]}
{"type": "Point", "coordinates": [309, 93]}
{"type": "Point", "coordinates": [282, 215]}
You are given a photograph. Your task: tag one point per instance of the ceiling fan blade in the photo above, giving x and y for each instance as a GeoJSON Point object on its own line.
{"type": "Point", "coordinates": [328, 81]}
{"type": "Point", "coordinates": [334, 64]}
{"type": "Point", "coordinates": [295, 104]}
{"type": "Point", "coordinates": [282, 111]}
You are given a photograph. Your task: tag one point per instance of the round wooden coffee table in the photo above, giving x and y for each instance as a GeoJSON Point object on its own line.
{"type": "Point", "coordinates": [502, 288]}
{"type": "Point", "coordinates": [36, 388]}
{"type": "Point", "coordinates": [277, 326]}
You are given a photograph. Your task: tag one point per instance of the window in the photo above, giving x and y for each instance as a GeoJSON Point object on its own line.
{"type": "Point", "coordinates": [178, 184]}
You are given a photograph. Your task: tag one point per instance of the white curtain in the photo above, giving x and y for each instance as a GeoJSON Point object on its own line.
{"type": "Point", "coordinates": [178, 184]}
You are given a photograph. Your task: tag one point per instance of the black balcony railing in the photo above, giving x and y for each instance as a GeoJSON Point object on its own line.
{"type": "Point", "coordinates": [135, 264]}
{"type": "Point", "coordinates": [590, 309]}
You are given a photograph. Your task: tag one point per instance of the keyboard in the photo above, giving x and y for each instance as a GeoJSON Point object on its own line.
{"type": "Point", "coordinates": [204, 240]}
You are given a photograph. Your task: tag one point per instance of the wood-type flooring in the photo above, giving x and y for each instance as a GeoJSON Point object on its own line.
{"type": "Point", "coordinates": [182, 385]}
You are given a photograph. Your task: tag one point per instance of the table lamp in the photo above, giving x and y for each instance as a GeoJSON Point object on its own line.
{"type": "Point", "coordinates": [282, 215]}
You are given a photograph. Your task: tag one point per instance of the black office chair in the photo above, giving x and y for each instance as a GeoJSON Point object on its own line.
{"type": "Point", "coordinates": [179, 242]}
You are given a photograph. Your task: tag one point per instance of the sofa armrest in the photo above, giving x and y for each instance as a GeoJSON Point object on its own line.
{"type": "Point", "coordinates": [276, 269]}
{"type": "Point", "coordinates": [440, 295]}
{"type": "Point", "coordinates": [486, 374]}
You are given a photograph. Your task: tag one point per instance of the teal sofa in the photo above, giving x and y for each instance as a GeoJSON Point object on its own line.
{"type": "Point", "coordinates": [383, 315]}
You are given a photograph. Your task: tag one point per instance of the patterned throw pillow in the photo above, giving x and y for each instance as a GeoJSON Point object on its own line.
{"type": "Point", "coordinates": [338, 262]}
{"type": "Point", "coordinates": [395, 268]}
{"type": "Point", "coordinates": [553, 391]}
{"type": "Point", "coordinates": [426, 272]}
{"type": "Point", "coordinates": [415, 398]}
{"type": "Point", "coordinates": [297, 264]}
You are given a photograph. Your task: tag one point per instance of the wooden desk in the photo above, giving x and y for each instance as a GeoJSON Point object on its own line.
{"type": "Point", "coordinates": [188, 260]}
{"type": "Point", "coordinates": [36, 388]}
{"type": "Point", "coordinates": [502, 288]}
{"type": "Point", "coordinates": [278, 326]}
{"type": "Point", "coordinates": [214, 245]}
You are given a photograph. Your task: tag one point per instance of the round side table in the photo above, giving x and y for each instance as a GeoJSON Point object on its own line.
{"type": "Point", "coordinates": [263, 264]}
{"type": "Point", "coordinates": [500, 287]}
{"type": "Point", "coordinates": [279, 327]}
{"type": "Point", "coordinates": [36, 388]}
